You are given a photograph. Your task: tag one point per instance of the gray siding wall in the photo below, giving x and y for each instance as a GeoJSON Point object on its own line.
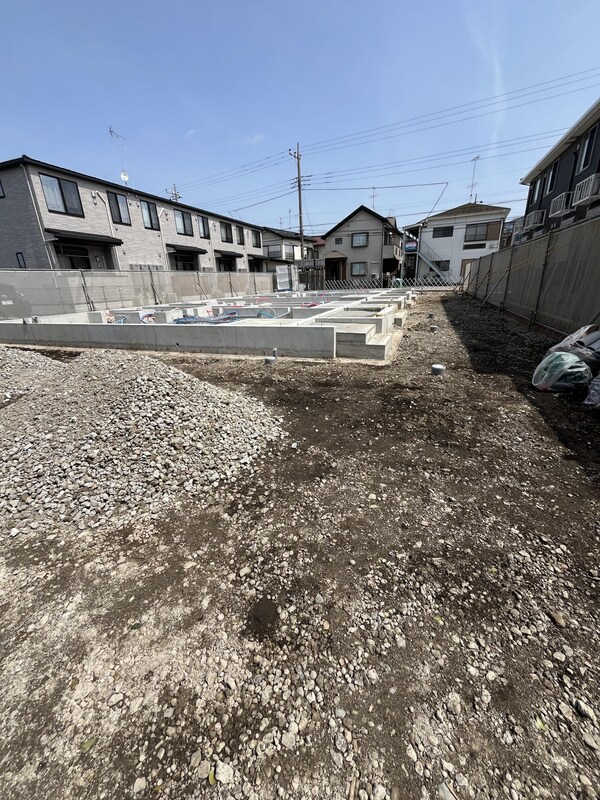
{"type": "Point", "coordinates": [140, 245]}
{"type": "Point", "coordinates": [373, 253]}
{"type": "Point", "coordinates": [19, 228]}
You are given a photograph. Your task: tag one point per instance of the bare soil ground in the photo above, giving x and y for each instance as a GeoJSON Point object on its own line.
{"type": "Point", "coordinates": [401, 603]}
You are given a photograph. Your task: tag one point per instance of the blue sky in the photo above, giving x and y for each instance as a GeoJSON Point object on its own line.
{"type": "Point", "coordinates": [200, 89]}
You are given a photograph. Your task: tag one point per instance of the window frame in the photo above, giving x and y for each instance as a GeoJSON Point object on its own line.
{"type": "Point", "coordinates": [239, 235]}
{"type": "Point", "coordinates": [354, 264]}
{"type": "Point", "coordinates": [2, 192]}
{"type": "Point", "coordinates": [535, 195]}
{"type": "Point", "coordinates": [286, 255]}
{"type": "Point", "coordinates": [61, 182]}
{"type": "Point", "coordinates": [186, 218]}
{"type": "Point", "coordinates": [114, 203]}
{"type": "Point", "coordinates": [256, 238]}
{"type": "Point", "coordinates": [338, 240]}
{"type": "Point", "coordinates": [359, 233]}
{"type": "Point", "coordinates": [21, 260]}
{"type": "Point", "coordinates": [228, 229]}
{"type": "Point", "coordinates": [203, 227]}
{"type": "Point", "coordinates": [436, 234]}
{"type": "Point", "coordinates": [584, 156]}
{"type": "Point", "coordinates": [476, 238]}
{"type": "Point", "coordinates": [151, 207]}
{"type": "Point", "coordinates": [550, 179]}
{"type": "Point", "coordinates": [277, 247]}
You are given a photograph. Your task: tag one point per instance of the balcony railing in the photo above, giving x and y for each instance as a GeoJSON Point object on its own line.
{"type": "Point", "coordinates": [587, 190]}
{"type": "Point", "coordinates": [561, 204]}
{"type": "Point", "coordinates": [534, 219]}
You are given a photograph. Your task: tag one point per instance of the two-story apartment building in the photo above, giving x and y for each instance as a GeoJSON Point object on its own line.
{"type": "Point", "coordinates": [443, 244]}
{"type": "Point", "coordinates": [55, 218]}
{"type": "Point", "coordinates": [564, 187]}
{"type": "Point", "coordinates": [284, 247]}
{"type": "Point", "coordinates": [363, 245]}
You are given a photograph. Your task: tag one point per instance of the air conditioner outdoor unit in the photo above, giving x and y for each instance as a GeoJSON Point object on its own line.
{"type": "Point", "coordinates": [534, 219]}
{"type": "Point", "coordinates": [561, 204]}
{"type": "Point", "coordinates": [587, 190]}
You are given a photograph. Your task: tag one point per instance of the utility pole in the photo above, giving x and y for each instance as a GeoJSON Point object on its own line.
{"type": "Point", "coordinates": [173, 194]}
{"type": "Point", "coordinates": [298, 158]}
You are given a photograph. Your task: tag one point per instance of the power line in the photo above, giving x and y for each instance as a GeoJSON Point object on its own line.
{"type": "Point", "coordinates": [451, 122]}
{"type": "Point", "coordinates": [270, 161]}
{"type": "Point", "coordinates": [463, 108]}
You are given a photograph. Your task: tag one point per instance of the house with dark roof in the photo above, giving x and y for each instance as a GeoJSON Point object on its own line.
{"type": "Point", "coordinates": [54, 218]}
{"type": "Point", "coordinates": [441, 245]}
{"type": "Point", "coordinates": [282, 247]}
{"type": "Point", "coordinates": [363, 245]}
{"type": "Point", "coordinates": [564, 186]}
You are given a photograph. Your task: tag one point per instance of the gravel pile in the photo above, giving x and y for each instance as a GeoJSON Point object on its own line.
{"type": "Point", "coordinates": [116, 435]}
{"type": "Point", "coordinates": [21, 371]}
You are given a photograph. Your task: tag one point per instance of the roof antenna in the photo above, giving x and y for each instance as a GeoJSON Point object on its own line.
{"type": "Point", "coordinates": [114, 135]}
{"type": "Point", "coordinates": [474, 160]}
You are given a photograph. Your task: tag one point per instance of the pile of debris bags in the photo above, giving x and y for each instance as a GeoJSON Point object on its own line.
{"type": "Point", "coordinates": [572, 364]}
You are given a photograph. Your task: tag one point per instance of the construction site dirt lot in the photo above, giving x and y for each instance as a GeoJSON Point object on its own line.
{"type": "Point", "coordinates": [400, 602]}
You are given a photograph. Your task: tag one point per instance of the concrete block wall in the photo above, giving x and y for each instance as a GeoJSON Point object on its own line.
{"type": "Point", "coordinates": [308, 342]}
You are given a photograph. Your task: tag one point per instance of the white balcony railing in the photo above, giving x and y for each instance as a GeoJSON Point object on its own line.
{"type": "Point", "coordinates": [587, 190]}
{"type": "Point", "coordinates": [561, 204]}
{"type": "Point", "coordinates": [534, 219]}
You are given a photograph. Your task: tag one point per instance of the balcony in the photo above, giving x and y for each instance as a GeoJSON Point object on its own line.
{"type": "Point", "coordinates": [561, 204]}
{"type": "Point", "coordinates": [587, 190]}
{"type": "Point", "coordinates": [534, 220]}
{"type": "Point", "coordinates": [391, 251]}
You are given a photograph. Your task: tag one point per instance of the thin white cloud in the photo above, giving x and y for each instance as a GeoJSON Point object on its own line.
{"type": "Point", "coordinates": [189, 133]}
{"type": "Point", "coordinates": [258, 137]}
{"type": "Point", "coordinates": [481, 21]}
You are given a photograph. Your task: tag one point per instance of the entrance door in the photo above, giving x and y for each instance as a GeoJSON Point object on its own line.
{"type": "Point", "coordinates": [333, 269]}
{"type": "Point", "coordinates": [72, 257]}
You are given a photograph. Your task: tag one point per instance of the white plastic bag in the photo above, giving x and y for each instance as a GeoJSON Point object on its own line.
{"type": "Point", "coordinates": [561, 372]}
{"type": "Point", "coordinates": [593, 395]}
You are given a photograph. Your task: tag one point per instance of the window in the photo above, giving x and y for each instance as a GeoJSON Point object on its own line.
{"type": "Point", "coordinates": [358, 268]}
{"type": "Point", "coordinates": [388, 237]}
{"type": "Point", "coordinates": [226, 232]}
{"type": "Point", "coordinates": [474, 246]}
{"type": "Point", "coordinates": [2, 190]}
{"type": "Point", "coordinates": [183, 222]}
{"type": "Point", "coordinates": [150, 215]}
{"type": "Point", "coordinates": [585, 151]}
{"type": "Point", "coordinates": [289, 251]}
{"type": "Point", "coordinates": [119, 209]}
{"type": "Point", "coordinates": [551, 178]}
{"type": "Point", "coordinates": [21, 261]}
{"type": "Point", "coordinates": [360, 240]}
{"type": "Point", "coordinates": [338, 239]}
{"type": "Point", "coordinates": [273, 251]}
{"type": "Point", "coordinates": [204, 229]}
{"type": "Point", "coordinates": [443, 233]}
{"type": "Point", "coordinates": [256, 241]}
{"type": "Point", "coordinates": [62, 196]}
{"type": "Point", "coordinates": [443, 266]}
{"type": "Point", "coordinates": [483, 232]}
{"type": "Point", "coordinates": [239, 234]}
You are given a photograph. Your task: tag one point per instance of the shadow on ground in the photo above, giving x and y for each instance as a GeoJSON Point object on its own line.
{"type": "Point", "coordinates": [499, 345]}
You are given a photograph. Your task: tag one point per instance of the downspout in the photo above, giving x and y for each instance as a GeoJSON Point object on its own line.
{"type": "Point", "coordinates": [38, 216]}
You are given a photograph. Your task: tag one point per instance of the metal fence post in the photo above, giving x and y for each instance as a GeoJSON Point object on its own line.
{"type": "Point", "coordinates": [508, 271]}
{"type": "Point", "coordinates": [534, 313]}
